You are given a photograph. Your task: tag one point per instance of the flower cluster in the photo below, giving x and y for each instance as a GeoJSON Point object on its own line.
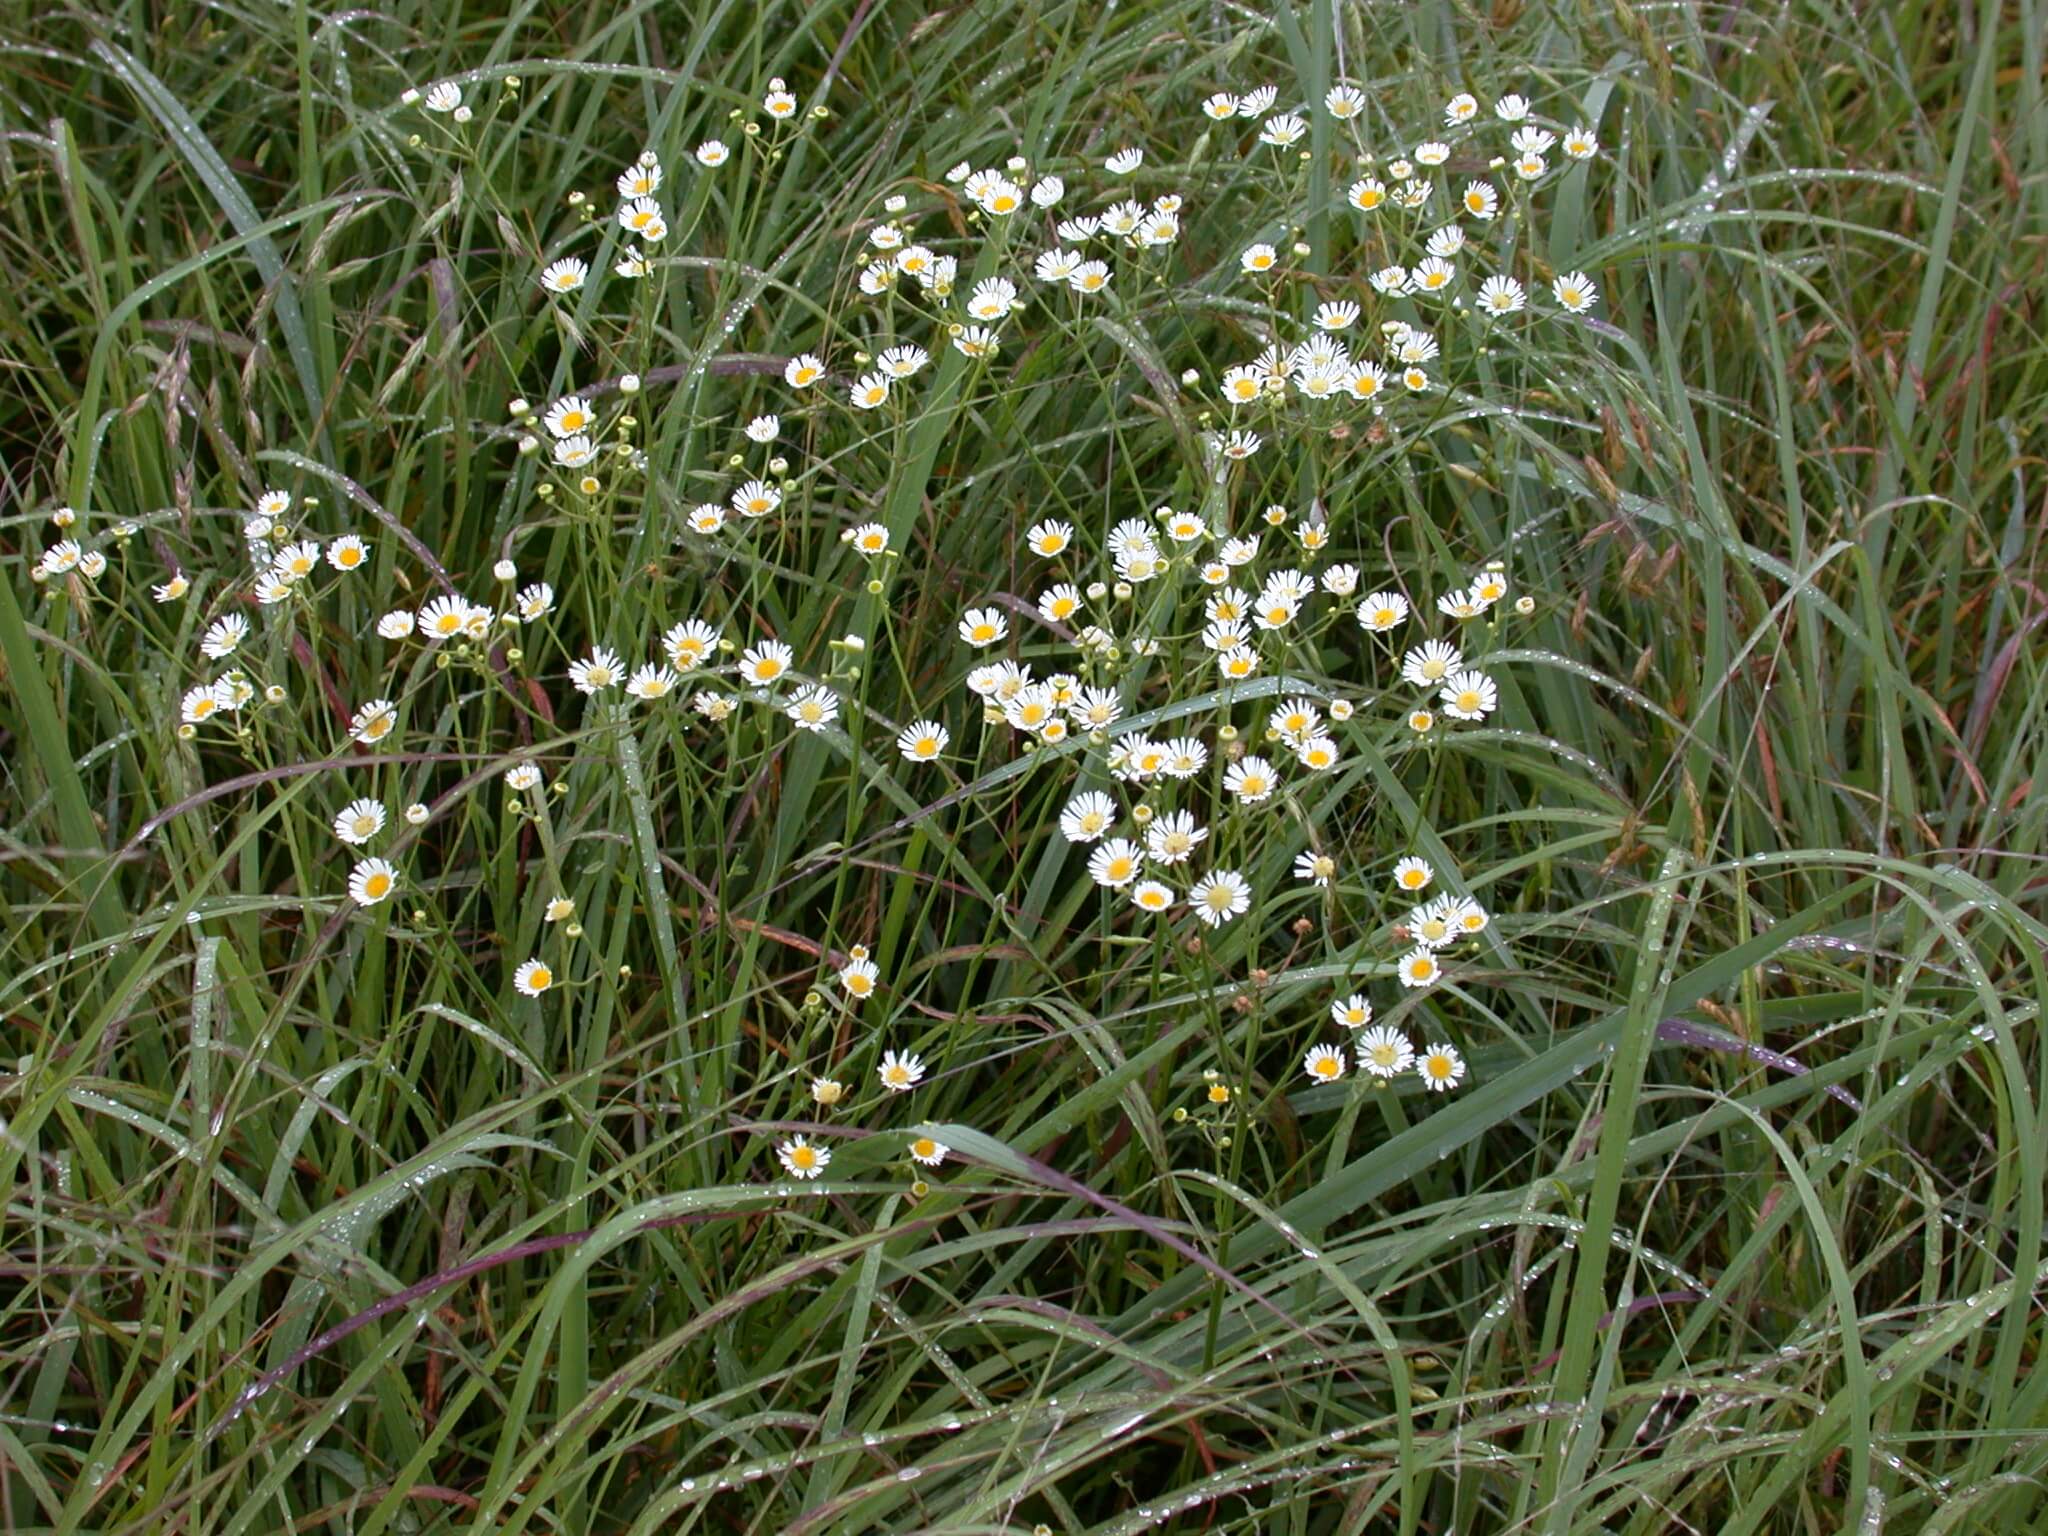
{"type": "Point", "coordinates": [1195, 678]}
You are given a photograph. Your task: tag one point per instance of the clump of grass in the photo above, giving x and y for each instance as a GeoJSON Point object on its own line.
{"type": "Point", "coordinates": [633, 908]}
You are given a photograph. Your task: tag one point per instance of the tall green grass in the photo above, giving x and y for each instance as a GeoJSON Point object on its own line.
{"type": "Point", "coordinates": [314, 1223]}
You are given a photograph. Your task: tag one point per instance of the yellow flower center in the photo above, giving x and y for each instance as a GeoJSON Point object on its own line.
{"type": "Point", "coordinates": [540, 978]}
{"type": "Point", "coordinates": [377, 885]}
{"type": "Point", "coordinates": [803, 1157]}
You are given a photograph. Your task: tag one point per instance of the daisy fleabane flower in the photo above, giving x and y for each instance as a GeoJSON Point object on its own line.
{"type": "Point", "coordinates": [373, 722]}
{"type": "Point", "coordinates": [901, 362]}
{"type": "Point", "coordinates": [1283, 130]}
{"type": "Point", "coordinates": [1174, 837]}
{"type": "Point", "coordinates": [1419, 968]}
{"type": "Point", "coordinates": [568, 416]}
{"type": "Point", "coordinates": [1468, 695]}
{"type": "Point", "coordinates": [1575, 292]}
{"type": "Point", "coordinates": [1087, 816]}
{"type": "Point", "coordinates": [900, 1071]}
{"type": "Point", "coordinates": [1352, 1012]}
{"type": "Point", "coordinates": [371, 881]}
{"type": "Point", "coordinates": [223, 635]}
{"type": "Point", "coordinates": [200, 704]}
{"type": "Point", "coordinates": [1115, 863]}
{"type": "Point", "coordinates": [1430, 663]}
{"type": "Point", "coordinates": [654, 681]}
{"type": "Point", "coordinates": [1251, 779]}
{"type": "Point", "coordinates": [1124, 161]}
{"type": "Point", "coordinates": [348, 552]}
{"type": "Point", "coordinates": [763, 663]}
{"type": "Point", "coordinates": [813, 708]}
{"type": "Point", "coordinates": [359, 821]}
{"type": "Point", "coordinates": [1220, 106]}
{"type": "Point", "coordinates": [1151, 896]}
{"type": "Point", "coordinates": [802, 371]}
{"type": "Point", "coordinates": [532, 978]}
{"type": "Point", "coordinates": [712, 153]}
{"type": "Point", "coordinates": [1258, 101]}
{"type": "Point", "coordinates": [1384, 1052]}
{"type": "Point", "coordinates": [1581, 143]}
{"type": "Point", "coordinates": [1220, 896]}
{"type": "Point", "coordinates": [1344, 102]}
{"type": "Point", "coordinates": [869, 391]}
{"type": "Point", "coordinates": [1501, 295]}
{"type": "Point", "coordinates": [565, 275]}
{"type": "Point", "coordinates": [982, 627]}
{"type": "Point", "coordinates": [1461, 108]}
{"type": "Point", "coordinates": [756, 498]}
{"type": "Point", "coordinates": [1049, 538]}
{"type": "Point", "coordinates": [928, 1152]}
{"type": "Point", "coordinates": [1441, 1068]}
{"type": "Point", "coordinates": [594, 673]}
{"type": "Point", "coordinates": [1323, 1064]}
{"type": "Point", "coordinates": [992, 298]}
{"type": "Point", "coordinates": [1316, 868]}
{"type": "Point", "coordinates": [921, 741]}
{"type": "Point", "coordinates": [859, 975]}
{"type": "Point", "coordinates": [802, 1158]}
{"type": "Point", "coordinates": [640, 179]}
{"type": "Point", "coordinates": [1413, 874]}
{"type": "Point", "coordinates": [689, 643]}
{"type": "Point", "coordinates": [779, 102]}
{"type": "Point", "coordinates": [976, 341]}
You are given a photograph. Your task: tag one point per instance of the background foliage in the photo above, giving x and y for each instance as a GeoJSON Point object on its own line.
{"type": "Point", "coordinates": [1738, 1226]}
